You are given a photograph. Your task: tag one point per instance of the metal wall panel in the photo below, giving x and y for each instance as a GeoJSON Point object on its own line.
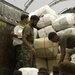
{"type": "Point", "coordinates": [7, 52]}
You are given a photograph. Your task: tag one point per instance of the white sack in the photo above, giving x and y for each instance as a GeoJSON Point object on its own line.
{"type": "Point", "coordinates": [41, 62]}
{"type": "Point", "coordinates": [47, 52]}
{"type": "Point", "coordinates": [18, 31]}
{"type": "Point", "coordinates": [73, 58]}
{"type": "Point", "coordinates": [68, 31]}
{"type": "Point", "coordinates": [41, 33]}
{"type": "Point", "coordinates": [60, 33]}
{"type": "Point", "coordinates": [43, 43]}
{"type": "Point", "coordinates": [64, 21]}
{"type": "Point", "coordinates": [33, 71]}
{"type": "Point", "coordinates": [44, 10]}
{"type": "Point", "coordinates": [29, 71]}
{"type": "Point", "coordinates": [45, 20]}
{"type": "Point", "coordinates": [35, 33]}
{"type": "Point", "coordinates": [40, 23]}
{"type": "Point", "coordinates": [48, 19]}
{"type": "Point", "coordinates": [45, 31]}
{"type": "Point", "coordinates": [48, 29]}
{"type": "Point", "coordinates": [25, 71]}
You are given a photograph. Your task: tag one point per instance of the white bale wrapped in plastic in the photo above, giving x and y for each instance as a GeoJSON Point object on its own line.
{"type": "Point", "coordinates": [41, 24]}
{"type": "Point", "coordinates": [60, 33]}
{"type": "Point", "coordinates": [68, 31]}
{"type": "Point", "coordinates": [45, 48]}
{"type": "Point", "coordinates": [42, 43]}
{"type": "Point", "coordinates": [44, 10]}
{"type": "Point", "coordinates": [41, 33]}
{"type": "Point", "coordinates": [33, 71]}
{"type": "Point", "coordinates": [46, 20]}
{"type": "Point", "coordinates": [64, 21]}
{"type": "Point", "coordinates": [35, 33]}
{"type": "Point", "coordinates": [48, 29]}
{"type": "Point", "coordinates": [41, 62]}
{"type": "Point", "coordinates": [24, 71]}
{"type": "Point", "coordinates": [47, 52]}
{"type": "Point", "coordinates": [29, 71]}
{"type": "Point", "coordinates": [45, 31]}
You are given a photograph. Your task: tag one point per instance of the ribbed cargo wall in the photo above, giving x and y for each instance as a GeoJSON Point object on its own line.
{"type": "Point", "coordinates": [7, 53]}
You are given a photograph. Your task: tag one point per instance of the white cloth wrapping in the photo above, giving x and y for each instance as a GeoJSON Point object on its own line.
{"type": "Point", "coordinates": [64, 21]}
{"type": "Point", "coordinates": [44, 10]}
{"type": "Point", "coordinates": [41, 33]}
{"type": "Point", "coordinates": [35, 33]}
{"type": "Point", "coordinates": [45, 31]}
{"type": "Point", "coordinates": [45, 48]}
{"type": "Point", "coordinates": [68, 31]}
{"type": "Point", "coordinates": [18, 31]}
{"type": "Point", "coordinates": [46, 20]}
{"type": "Point", "coordinates": [49, 29]}
{"type": "Point", "coordinates": [42, 43]}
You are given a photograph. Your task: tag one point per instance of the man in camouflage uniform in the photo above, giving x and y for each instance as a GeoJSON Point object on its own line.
{"type": "Point", "coordinates": [17, 37]}
{"type": "Point", "coordinates": [65, 41]}
{"type": "Point", "coordinates": [27, 55]}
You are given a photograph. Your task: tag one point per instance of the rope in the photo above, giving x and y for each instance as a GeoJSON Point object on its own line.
{"type": "Point", "coordinates": [45, 54]}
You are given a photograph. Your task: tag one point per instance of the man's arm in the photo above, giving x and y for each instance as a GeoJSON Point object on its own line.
{"type": "Point", "coordinates": [63, 53]}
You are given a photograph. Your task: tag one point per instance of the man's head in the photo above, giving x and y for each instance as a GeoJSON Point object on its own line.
{"type": "Point", "coordinates": [34, 20]}
{"type": "Point", "coordinates": [24, 18]}
{"type": "Point", "coordinates": [17, 72]}
{"type": "Point", "coordinates": [43, 73]}
{"type": "Point", "coordinates": [53, 37]}
{"type": "Point", "coordinates": [43, 69]}
{"type": "Point", "coordinates": [67, 68]}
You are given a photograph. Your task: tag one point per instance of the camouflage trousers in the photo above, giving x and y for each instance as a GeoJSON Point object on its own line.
{"type": "Point", "coordinates": [25, 58]}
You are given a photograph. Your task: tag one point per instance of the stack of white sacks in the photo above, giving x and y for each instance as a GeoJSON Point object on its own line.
{"type": "Point", "coordinates": [50, 21]}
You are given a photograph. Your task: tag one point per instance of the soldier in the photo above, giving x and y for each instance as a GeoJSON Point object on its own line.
{"type": "Point", "coordinates": [65, 41]}
{"type": "Point", "coordinates": [28, 51]}
{"type": "Point", "coordinates": [17, 37]}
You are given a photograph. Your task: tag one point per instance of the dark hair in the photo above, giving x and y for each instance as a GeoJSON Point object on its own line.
{"type": "Point", "coordinates": [51, 35]}
{"type": "Point", "coordinates": [34, 17]}
{"type": "Point", "coordinates": [67, 68]}
{"type": "Point", "coordinates": [16, 72]}
{"type": "Point", "coordinates": [43, 72]}
{"type": "Point", "coordinates": [55, 69]}
{"type": "Point", "coordinates": [23, 16]}
{"type": "Point", "coordinates": [42, 69]}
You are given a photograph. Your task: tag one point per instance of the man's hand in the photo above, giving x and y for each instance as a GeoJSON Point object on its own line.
{"type": "Point", "coordinates": [33, 51]}
{"type": "Point", "coordinates": [62, 56]}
